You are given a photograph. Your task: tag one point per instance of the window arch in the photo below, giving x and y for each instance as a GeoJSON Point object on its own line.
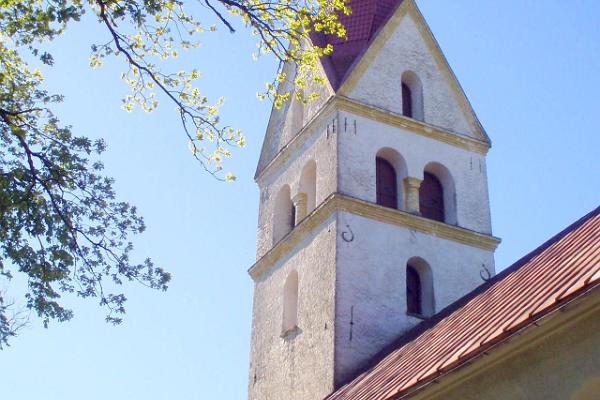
{"type": "Point", "coordinates": [437, 196]}
{"type": "Point", "coordinates": [308, 185]}
{"type": "Point", "coordinates": [412, 96]}
{"type": "Point", "coordinates": [283, 215]}
{"type": "Point", "coordinates": [390, 169]}
{"type": "Point", "coordinates": [419, 288]}
{"type": "Point", "coordinates": [290, 303]}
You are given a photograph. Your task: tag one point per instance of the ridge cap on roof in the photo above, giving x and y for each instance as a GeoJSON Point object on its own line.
{"type": "Point", "coordinates": [430, 323]}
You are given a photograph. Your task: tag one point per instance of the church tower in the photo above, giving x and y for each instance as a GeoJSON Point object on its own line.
{"type": "Point", "coordinates": [374, 210]}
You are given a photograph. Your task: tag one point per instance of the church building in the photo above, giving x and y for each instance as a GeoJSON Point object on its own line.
{"type": "Point", "coordinates": [375, 275]}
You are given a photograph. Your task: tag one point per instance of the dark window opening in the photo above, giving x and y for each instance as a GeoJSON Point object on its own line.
{"type": "Point", "coordinates": [407, 101]}
{"type": "Point", "coordinates": [387, 189]}
{"type": "Point", "coordinates": [413, 291]}
{"type": "Point", "coordinates": [431, 198]}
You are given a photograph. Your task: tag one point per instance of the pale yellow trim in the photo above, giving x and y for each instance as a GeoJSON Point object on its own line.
{"type": "Point", "coordinates": [421, 128]}
{"type": "Point", "coordinates": [292, 239]}
{"type": "Point", "coordinates": [408, 7]}
{"type": "Point", "coordinates": [552, 324]}
{"type": "Point", "coordinates": [407, 220]}
{"type": "Point", "coordinates": [375, 212]}
{"type": "Point", "coordinates": [376, 114]}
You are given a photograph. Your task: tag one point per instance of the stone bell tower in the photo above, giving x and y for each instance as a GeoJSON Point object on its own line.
{"type": "Point", "coordinates": [374, 211]}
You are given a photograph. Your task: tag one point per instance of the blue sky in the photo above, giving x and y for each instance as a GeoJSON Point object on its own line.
{"type": "Point", "coordinates": [530, 69]}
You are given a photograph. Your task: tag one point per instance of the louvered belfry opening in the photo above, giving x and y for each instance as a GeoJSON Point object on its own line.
{"type": "Point", "coordinates": [387, 186]}
{"type": "Point", "coordinates": [407, 101]}
{"type": "Point", "coordinates": [413, 291]}
{"type": "Point", "coordinates": [431, 198]}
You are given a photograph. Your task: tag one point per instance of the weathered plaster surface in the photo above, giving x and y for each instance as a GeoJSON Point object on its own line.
{"type": "Point", "coordinates": [298, 366]}
{"type": "Point", "coordinates": [371, 284]}
{"type": "Point", "coordinates": [407, 50]}
{"type": "Point", "coordinates": [358, 149]}
{"type": "Point", "coordinates": [352, 299]}
{"type": "Point", "coordinates": [319, 147]}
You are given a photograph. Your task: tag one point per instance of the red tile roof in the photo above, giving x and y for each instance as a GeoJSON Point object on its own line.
{"type": "Point", "coordinates": [563, 268]}
{"type": "Point", "coordinates": [367, 17]}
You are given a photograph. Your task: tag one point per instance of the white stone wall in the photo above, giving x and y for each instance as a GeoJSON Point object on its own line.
{"type": "Point", "coordinates": [357, 152]}
{"type": "Point", "coordinates": [352, 300]}
{"type": "Point", "coordinates": [298, 366]}
{"type": "Point", "coordinates": [406, 50]}
{"type": "Point", "coordinates": [371, 284]}
{"type": "Point", "coordinates": [320, 147]}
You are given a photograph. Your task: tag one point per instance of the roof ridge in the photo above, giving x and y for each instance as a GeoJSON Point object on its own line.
{"type": "Point", "coordinates": [364, 23]}
{"type": "Point", "coordinates": [426, 325]}
{"type": "Point", "coordinates": [374, 34]}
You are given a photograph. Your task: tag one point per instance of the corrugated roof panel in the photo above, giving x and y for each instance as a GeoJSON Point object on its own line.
{"type": "Point", "coordinates": [565, 266]}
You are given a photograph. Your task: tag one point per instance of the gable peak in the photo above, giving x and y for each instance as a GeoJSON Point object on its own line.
{"type": "Point", "coordinates": [366, 19]}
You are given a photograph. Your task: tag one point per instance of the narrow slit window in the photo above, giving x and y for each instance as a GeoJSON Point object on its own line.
{"type": "Point", "coordinates": [283, 214]}
{"type": "Point", "coordinates": [407, 101]}
{"type": "Point", "coordinates": [412, 96]}
{"type": "Point", "coordinates": [413, 291]}
{"type": "Point", "coordinates": [290, 303]}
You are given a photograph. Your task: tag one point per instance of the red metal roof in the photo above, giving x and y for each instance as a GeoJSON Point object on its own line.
{"type": "Point", "coordinates": [566, 266]}
{"type": "Point", "coordinates": [367, 17]}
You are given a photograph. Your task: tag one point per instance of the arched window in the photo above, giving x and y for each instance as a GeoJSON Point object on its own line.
{"type": "Point", "coordinates": [431, 198]}
{"type": "Point", "coordinates": [390, 171]}
{"type": "Point", "coordinates": [413, 291]}
{"type": "Point", "coordinates": [308, 185]}
{"type": "Point", "coordinates": [412, 96]}
{"type": "Point", "coordinates": [283, 214]}
{"type": "Point", "coordinates": [419, 288]}
{"type": "Point", "coordinates": [290, 303]}
{"type": "Point", "coordinates": [387, 184]}
{"type": "Point", "coordinates": [407, 101]}
{"type": "Point", "coordinates": [437, 195]}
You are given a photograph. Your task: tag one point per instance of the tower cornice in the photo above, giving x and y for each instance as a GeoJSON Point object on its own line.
{"type": "Point", "coordinates": [341, 103]}
{"type": "Point", "coordinates": [415, 126]}
{"type": "Point", "coordinates": [339, 202]}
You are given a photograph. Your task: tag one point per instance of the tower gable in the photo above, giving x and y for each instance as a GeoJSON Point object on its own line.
{"type": "Point", "coordinates": [361, 26]}
{"type": "Point", "coordinates": [405, 49]}
{"type": "Point", "coordinates": [286, 122]}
